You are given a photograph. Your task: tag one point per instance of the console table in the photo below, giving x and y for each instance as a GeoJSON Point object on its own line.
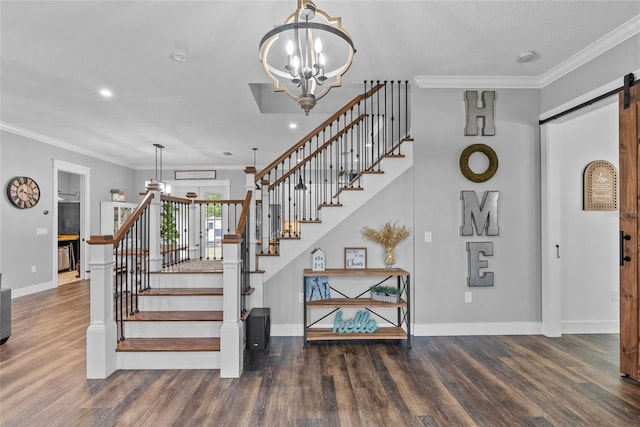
{"type": "Point", "coordinates": [401, 326]}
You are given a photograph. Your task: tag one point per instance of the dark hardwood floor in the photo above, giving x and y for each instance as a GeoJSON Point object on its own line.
{"type": "Point", "coordinates": [443, 381]}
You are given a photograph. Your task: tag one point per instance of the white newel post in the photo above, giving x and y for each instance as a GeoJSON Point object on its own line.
{"type": "Point", "coordinates": [194, 231]}
{"type": "Point", "coordinates": [265, 217]}
{"type": "Point", "coordinates": [232, 330]}
{"type": "Point", "coordinates": [102, 332]}
{"type": "Point", "coordinates": [155, 256]}
{"type": "Point", "coordinates": [252, 238]}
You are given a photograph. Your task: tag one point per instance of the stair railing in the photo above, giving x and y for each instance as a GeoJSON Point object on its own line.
{"type": "Point", "coordinates": [217, 218]}
{"type": "Point", "coordinates": [313, 173]}
{"type": "Point", "coordinates": [131, 268]}
{"type": "Point", "coordinates": [174, 230]}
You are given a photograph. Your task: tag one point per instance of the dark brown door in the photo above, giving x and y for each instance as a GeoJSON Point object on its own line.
{"type": "Point", "coordinates": [629, 234]}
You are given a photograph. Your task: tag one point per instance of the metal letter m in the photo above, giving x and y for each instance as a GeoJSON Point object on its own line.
{"type": "Point", "coordinates": [483, 218]}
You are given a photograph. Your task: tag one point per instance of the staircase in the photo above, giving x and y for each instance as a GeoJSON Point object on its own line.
{"type": "Point", "coordinates": [178, 324]}
{"type": "Point", "coordinates": [195, 320]}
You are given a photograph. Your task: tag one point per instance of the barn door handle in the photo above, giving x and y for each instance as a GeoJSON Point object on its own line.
{"type": "Point", "coordinates": [623, 258]}
{"type": "Point", "coordinates": [557, 251]}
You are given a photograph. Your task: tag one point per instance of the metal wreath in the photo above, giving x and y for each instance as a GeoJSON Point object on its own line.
{"type": "Point", "coordinates": [487, 174]}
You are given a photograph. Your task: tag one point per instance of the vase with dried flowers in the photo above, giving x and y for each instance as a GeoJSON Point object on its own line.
{"type": "Point", "coordinates": [389, 236]}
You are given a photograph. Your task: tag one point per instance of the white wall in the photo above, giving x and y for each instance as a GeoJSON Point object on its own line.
{"type": "Point", "coordinates": [21, 247]}
{"type": "Point", "coordinates": [513, 304]}
{"type": "Point", "coordinates": [394, 203]}
{"type": "Point", "coordinates": [589, 248]}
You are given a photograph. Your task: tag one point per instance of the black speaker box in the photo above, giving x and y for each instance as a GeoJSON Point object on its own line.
{"type": "Point", "coordinates": [258, 328]}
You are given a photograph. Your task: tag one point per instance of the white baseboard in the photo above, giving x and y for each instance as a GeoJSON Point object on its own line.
{"type": "Point", "coordinates": [28, 290]}
{"type": "Point", "coordinates": [493, 328]}
{"type": "Point", "coordinates": [591, 327]}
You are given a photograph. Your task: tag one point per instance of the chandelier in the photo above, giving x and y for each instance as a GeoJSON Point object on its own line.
{"type": "Point", "coordinates": [307, 55]}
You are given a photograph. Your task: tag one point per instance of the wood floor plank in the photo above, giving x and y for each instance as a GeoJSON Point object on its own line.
{"type": "Point", "coordinates": [441, 381]}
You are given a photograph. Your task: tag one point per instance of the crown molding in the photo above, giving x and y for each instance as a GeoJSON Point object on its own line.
{"type": "Point", "coordinates": [597, 48]}
{"type": "Point", "coordinates": [16, 130]}
{"type": "Point", "coordinates": [478, 82]}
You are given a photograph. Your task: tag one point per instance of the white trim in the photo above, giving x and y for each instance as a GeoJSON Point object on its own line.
{"type": "Point", "coordinates": [33, 289]}
{"type": "Point", "coordinates": [595, 49]}
{"type": "Point", "coordinates": [591, 327]}
{"type": "Point", "coordinates": [489, 328]}
{"type": "Point", "coordinates": [477, 82]}
{"type": "Point", "coordinates": [57, 143]}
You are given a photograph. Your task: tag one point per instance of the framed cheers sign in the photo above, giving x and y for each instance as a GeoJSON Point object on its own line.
{"type": "Point", "coordinates": [355, 258]}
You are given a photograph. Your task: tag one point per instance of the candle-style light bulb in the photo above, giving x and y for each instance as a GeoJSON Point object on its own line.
{"type": "Point", "coordinates": [289, 48]}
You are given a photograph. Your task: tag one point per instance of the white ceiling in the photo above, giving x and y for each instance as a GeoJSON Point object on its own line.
{"type": "Point", "coordinates": [57, 55]}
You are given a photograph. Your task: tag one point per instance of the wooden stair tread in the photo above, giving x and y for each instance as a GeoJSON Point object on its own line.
{"type": "Point", "coordinates": [169, 344]}
{"type": "Point", "coordinates": [182, 291]}
{"type": "Point", "coordinates": [329, 205]}
{"type": "Point", "coordinates": [310, 221]}
{"type": "Point", "coordinates": [176, 316]}
{"type": "Point", "coordinates": [371, 172]}
{"type": "Point", "coordinates": [324, 334]}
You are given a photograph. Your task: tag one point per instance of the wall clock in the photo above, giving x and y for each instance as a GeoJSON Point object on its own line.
{"type": "Point", "coordinates": [23, 192]}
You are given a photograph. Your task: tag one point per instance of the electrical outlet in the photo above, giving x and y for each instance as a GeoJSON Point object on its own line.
{"type": "Point", "coordinates": [427, 237]}
{"type": "Point", "coordinates": [33, 268]}
{"type": "Point", "coordinates": [614, 296]}
{"type": "Point", "coordinates": [301, 298]}
{"type": "Point", "coordinates": [468, 297]}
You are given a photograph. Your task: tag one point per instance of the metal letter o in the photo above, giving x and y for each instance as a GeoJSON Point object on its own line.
{"type": "Point", "coordinates": [478, 177]}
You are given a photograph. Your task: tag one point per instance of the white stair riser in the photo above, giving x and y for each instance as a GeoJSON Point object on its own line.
{"type": "Point", "coordinates": [172, 329]}
{"type": "Point", "coordinates": [168, 360]}
{"type": "Point", "coordinates": [186, 280]}
{"type": "Point", "coordinates": [179, 303]}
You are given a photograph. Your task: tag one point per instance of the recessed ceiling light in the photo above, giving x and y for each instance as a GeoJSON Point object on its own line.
{"type": "Point", "coordinates": [106, 93]}
{"type": "Point", "coordinates": [528, 56]}
{"type": "Point", "coordinates": [292, 125]}
{"type": "Point", "coordinates": [179, 55]}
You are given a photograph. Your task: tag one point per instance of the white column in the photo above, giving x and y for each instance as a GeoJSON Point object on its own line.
{"type": "Point", "coordinates": [102, 332]}
{"type": "Point", "coordinates": [232, 330]}
{"type": "Point", "coordinates": [155, 257]}
{"type": "Point", "coordinates": [265, 216]}
{"type": "Point", "coordinates": [252, 237]}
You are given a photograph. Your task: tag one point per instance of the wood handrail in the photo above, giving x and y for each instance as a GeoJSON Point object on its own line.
{"type": "Point", "coordinates": [219, 202]}
{"type": "Point", "coordinates": [317, 151]}
{"type": "Point", "coordinates": [244, 213]}
{"type": "Point", "coordinates": [168, 198]}
{"type": "Point", "coordinates": [137, 213]}
{"type": "Point", "coordinates": [317, 130]}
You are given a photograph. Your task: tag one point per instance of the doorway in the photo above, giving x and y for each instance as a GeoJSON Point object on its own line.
{"type": "Point", "coordinates": [211, 221]}
{"type": "Point", "coordinates": [71, 218]}
{"type": "Point", "coordinates": [580, 248]}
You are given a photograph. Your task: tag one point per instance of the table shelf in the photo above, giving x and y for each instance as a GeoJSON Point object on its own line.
{"type": "Point", "coordinates": [400, 328]}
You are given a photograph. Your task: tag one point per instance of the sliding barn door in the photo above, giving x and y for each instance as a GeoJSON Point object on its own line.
{"type": "Point", "coordinates": [629, 234]}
